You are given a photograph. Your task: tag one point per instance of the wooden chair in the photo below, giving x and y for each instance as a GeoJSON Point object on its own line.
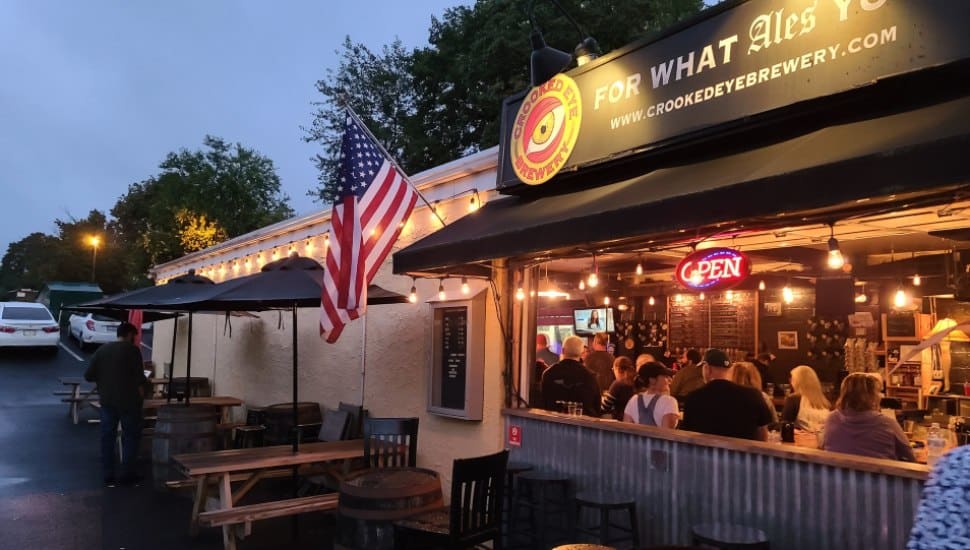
{"type": "Point", "coordinates": [390, 442]}
{"type": "Point", "coordinates": [475, 514]}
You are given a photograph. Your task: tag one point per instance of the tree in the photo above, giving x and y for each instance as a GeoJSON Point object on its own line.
{"type": "Point", "coordinates": [199, 199]}
{"type": "Point", "coordinates": [443, 101]}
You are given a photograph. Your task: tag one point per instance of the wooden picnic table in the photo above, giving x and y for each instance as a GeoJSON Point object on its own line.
{"type": "Point", "coordinates": [75, 396]}
{"type": "Point", "coordinates": [250, 466]}
{"type": "Point", "coordinates": [224, 402]}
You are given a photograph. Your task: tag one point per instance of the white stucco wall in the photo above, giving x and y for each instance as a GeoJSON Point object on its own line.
{"type": "Point", "coordinates": [255, 363]}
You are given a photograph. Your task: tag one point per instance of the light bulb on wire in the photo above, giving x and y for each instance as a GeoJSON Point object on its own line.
{"type": "Point", "coordinates": [917, 280]}
{"type": "Point", "coordinates": [761, 285]}
{"type": "Point", "coordinates": [593, 280]}
{"type": "Point", "coordinates": [835, 260]}
{"type": "Point", "coordinates": [652, 301]}
{"type": "Point", "coordinates": [413, 296]}
{"type": "Point", "coordinates": [519, 294]}
{"type": "Point", "coordinates": [639, 268]}
{"type": "Point", "coordinates": [606, 300]}
{"type": "Point", "coordinates": [441, 290]}
{"type": "Point", "coordinates": [788, 294]}
{"type": "Point", "coordinates": [900, 299]}
{"type": "Point", "coordinates": [464, 285]}
{"type": "Point", "coordinates": [701, 296]}
{"type": "Point", "coordinates": [582, 284]}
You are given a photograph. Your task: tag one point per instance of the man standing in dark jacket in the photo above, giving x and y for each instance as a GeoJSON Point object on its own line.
{"type": "Point", "coordinates": [117, 370]}
{"type": "Point", "coordinates": [568, 380]}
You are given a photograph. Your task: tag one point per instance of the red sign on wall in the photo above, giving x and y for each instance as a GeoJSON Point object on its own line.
{"type": "Point", "coordinates": [713, 269]}
{"type": "Point", "coordinates": [515, 436]}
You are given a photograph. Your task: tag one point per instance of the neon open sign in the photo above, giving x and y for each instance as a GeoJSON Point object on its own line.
{"type": "Point", "coordinates": [713, 269]}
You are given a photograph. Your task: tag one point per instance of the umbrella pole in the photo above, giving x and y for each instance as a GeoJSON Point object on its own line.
{"type": "Point", "coordinates": [188, 364]}
{"type": "Point", "coordinates": [171, 359]}
{"type": "Point", "coordinates": [296, 440]}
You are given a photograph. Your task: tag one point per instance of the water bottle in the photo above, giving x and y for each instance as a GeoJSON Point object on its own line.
{"type": "Point", "coordinates": [935, 443]}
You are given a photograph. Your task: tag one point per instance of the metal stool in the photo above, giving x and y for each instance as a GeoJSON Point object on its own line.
{"type": "Point", "coordinates": [728, 536]}
{"type": "Point", "coordinates": [248, 436]}
{"type": "Point", "coordinates": [511, 471]}
{"type": "Point", "coordinates": [605, 502]}
{"type": "Point", "coordinates": [543, 496]}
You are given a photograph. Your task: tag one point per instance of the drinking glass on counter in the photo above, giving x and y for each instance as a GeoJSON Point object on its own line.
{"type": "Point", "coordinates": [578, 409]}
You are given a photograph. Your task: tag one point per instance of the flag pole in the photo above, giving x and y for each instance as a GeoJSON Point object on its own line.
{"type": "Point", "coordinates": [352, 114]}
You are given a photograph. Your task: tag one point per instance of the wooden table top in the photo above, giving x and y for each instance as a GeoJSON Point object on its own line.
{"type": "Point", "coordinates": [218, 400]}
{"type": "Point", "coordinates": [261, 458]}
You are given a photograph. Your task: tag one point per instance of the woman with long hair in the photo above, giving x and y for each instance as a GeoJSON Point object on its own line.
{"type": "Point", "coordinates": [744, 373]}
{"type": "Point", "coordinates": [807, 406]}
{"type": "Point", "coordinates": [858, 427]}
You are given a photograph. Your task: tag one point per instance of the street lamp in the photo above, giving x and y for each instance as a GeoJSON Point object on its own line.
{"type": "Point", "coordinates": [94, 241]}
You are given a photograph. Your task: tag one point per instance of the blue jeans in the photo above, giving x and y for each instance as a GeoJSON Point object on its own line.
{"type": "Point", "coordinates": [130, 438]}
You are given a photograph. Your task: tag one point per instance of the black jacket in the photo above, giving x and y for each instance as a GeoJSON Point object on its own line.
{"type": "Point", "coordinates": [569, 380]}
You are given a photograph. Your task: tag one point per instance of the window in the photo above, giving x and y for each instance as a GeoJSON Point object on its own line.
{"type": "Point", "coordinates": [14, 313]}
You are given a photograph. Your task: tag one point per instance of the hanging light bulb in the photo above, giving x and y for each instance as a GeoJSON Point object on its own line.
{"type": "Point", "coordinates": [729, 295]}
{"type": "Point", "coordinates": [900, 299]}
{"type": "Point", "coordinates": [474, 203]}
{"type": "Point", "coordinates": [441, 289]}
{"type": "Point", "coordinates": [606, 300]}
{"type": "Point", "coordinates": [761, 285]}
{"type": "Point", "coordinates": [464, 285]}
{"type": "Point", "coordinates": [639, 268]}
{"type": "Point", "coordinates": [701, 296]}
{"type": "Point", "coordinates": [433, 211]}
{"type": "Point", "coordinates": [519, 294]}
{"type": "Point", "coordinates": [861, 298]}
{"type": "Point", "coordinates": [788, 294]}
{"type": "Point", "coordinates": [593, 279]}
{"type": "Point", "coordinates": [652, 301]}
{"type": "Point", "coordinates": [582, 284]}
{"type": "Point", "coordinates": [917, 280]}
{"type": "Point", "coordinates": [413, 296]}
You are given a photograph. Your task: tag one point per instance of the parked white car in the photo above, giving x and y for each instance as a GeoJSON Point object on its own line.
{"type": "Point", "coordinates": [92, 328]}
{"type": "Point", "coordinates": [25, 324]}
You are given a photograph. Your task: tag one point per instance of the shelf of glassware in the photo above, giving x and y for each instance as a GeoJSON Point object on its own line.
{"type": "Point", "coordinates": [905, 383]}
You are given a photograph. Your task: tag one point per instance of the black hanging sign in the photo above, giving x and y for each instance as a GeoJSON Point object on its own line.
{"type": "Point", "coordinates": [454, 356]}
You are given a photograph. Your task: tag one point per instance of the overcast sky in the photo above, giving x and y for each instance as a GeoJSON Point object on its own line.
{"type": "Point", "coordinates": [94, 93]}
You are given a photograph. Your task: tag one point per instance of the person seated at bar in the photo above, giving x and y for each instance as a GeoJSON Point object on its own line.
{"type": "Point", "coordinates": [599, 361]}
{"type": "Point", "coordinates": [568, 380]}
{"type": "Point", "coordinates": [858, 427]}
{"type": "Point", "coordinates": [722, 407]}
{"type": "Point", "coordinates": [543, 352]}
{"type": "Point", "coordinates": [689, 377]}
{"type": "Point", "coordinates": [745, 373]}
{"type": "Point", "coordinates": [620, 392]}
{"type": "Point", "coordinates": [807, 407]}
{"type": "Point", "coordinates": [653, 407]}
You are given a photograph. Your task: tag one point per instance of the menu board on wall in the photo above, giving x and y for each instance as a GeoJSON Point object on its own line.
{"type": "Point", "coordinates": [454, 353]}
{"type": "Point", "coordinates": [714, 322]}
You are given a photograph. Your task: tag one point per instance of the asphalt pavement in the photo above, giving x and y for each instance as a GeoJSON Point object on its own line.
{"type": "Point", "coordinates": [51, 492]}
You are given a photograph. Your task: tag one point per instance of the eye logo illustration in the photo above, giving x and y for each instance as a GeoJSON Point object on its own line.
{"type": "Point", "coordinates": [545, 130]}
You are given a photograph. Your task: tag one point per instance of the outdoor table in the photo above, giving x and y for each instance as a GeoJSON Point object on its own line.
{"type": "Point", "coordinates": [251, 465]}
{"type": "Point", "coordinates": [224, 402]}
{"type": "Point", "coordinates": [76, 397]}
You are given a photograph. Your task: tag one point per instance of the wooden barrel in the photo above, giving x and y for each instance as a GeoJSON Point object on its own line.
{"type": "Point", "coordinates": [181, 429]}
{"type": "Point", "coordinates": [198, 385]}
{"type": "Point", "coordinates": [279, 422]}
{"type": "Point", "coordinates": [370, 503]}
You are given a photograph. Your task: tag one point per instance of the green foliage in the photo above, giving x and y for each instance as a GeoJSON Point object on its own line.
{"type": "Point", "coordinates": [437, 103]}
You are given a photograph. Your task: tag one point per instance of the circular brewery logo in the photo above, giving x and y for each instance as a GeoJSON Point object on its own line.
{"type": "Point", "coordinates": [545, 129]}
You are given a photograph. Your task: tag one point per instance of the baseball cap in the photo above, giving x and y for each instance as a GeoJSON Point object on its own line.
{"type": "Point", "coordinates": [652, 370]}
{"type": "Point", "coordinates": [717, 358]}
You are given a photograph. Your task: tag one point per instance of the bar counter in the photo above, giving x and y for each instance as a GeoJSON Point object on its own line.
{"type": "Point", "coordinates": [802, 498]}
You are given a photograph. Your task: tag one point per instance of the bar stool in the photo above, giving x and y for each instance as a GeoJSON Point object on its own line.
{"type": "Point", "coordinates": [248, 436]}
{"type": "Point", "coordinates": [544, 496]}
{"type": "Point", "coordinates": [606, 502]}
{"type": "Point", "coordinates": [729, 536]}
{"type": "Point", "coordinates": [511, 471]}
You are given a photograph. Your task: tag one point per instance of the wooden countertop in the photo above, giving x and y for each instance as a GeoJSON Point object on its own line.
{"type": "Point", "coordinates": [784, 450]}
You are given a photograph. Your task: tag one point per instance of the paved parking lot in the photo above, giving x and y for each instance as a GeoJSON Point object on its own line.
{"type": "Point", "coordinates": [51, 495]}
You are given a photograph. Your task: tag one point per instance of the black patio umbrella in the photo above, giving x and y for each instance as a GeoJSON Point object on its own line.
{"type": "Point", "coordinates": [154, 300]}
{"type": "Point", "coordinates": [289, 283]}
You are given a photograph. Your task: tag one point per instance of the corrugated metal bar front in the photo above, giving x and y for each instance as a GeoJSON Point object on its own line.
{"type": "Point", "coordinates": [800, 505]}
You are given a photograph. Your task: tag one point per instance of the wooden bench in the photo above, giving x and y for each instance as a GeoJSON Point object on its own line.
{"type": "Point", "coordinates": [266, 510]}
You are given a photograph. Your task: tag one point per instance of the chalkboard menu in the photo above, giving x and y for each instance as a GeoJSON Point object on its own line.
{"type": "Point", "coordinates": [901, 325]}
{"type": "Point", "coordinates": [714, 322]}
{"type": "Point", "coordinates": [456, 376]}
{"type": "Point", "coordinates": [454, 339]}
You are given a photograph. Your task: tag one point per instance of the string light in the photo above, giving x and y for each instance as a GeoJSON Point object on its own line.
{"type": "Point", "coordinates": [606, 300]}
{"type": "Point", "coordinates": [326, 240]}
{"type": "Point", "coordinates": [901, 299]}
{"type": "Point", "coordinates": [729, 295]}
{"type": "Point", "coordinates": [787, 294]}
{"type": "Point", "coordinates": [413, 296]}
{"type": "Point", "coordinates": [441, 289]}
{"type": "Point", "coordinates": [639, 269]}
{"type": "Point", "coordinates": [835, 260]}
{"type": "Point", "coordinates": [582, 284]}
{"type": "Point", "coordinates": [464, 285]}
{"type": "Point", "coordinates": [917, 280]}
{"type": "Point", "coordinates": [652, 301]}
{"type": "Point", "coordinates": [519, 294]}
{"type": "Point", "coordinates": [308, 246]}
{"type": "Point", "coordinates": [474, 203]}
{"type": "Point", "coordinates": [433, 212]}
{"type": "Point", "coordinates": [761, 285]}
{"type": "Point", "coordinates": [701, 296]}
{"type": "Point", "coordinates": [593, 279]}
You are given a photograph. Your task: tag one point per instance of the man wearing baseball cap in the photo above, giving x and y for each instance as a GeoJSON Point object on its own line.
{"type": "Point", "coordinates": [722, 407]}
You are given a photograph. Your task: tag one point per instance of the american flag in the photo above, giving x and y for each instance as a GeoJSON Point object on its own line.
{"type": "Point", "coordinates": [373, 200]}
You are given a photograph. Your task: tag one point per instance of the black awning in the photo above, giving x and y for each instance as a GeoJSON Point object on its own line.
{"type": "Point", "coordinates": [918, 151]}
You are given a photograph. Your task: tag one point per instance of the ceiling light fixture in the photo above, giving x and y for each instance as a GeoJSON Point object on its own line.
{"type": "Point", "coordinates": [639, 269]}
{"type": "Point", "coordinates": [441, 289]}
{"type": "Point", "coordinates": [835, 260]}
{"type": "Point", "coordinates": [464, 285]}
